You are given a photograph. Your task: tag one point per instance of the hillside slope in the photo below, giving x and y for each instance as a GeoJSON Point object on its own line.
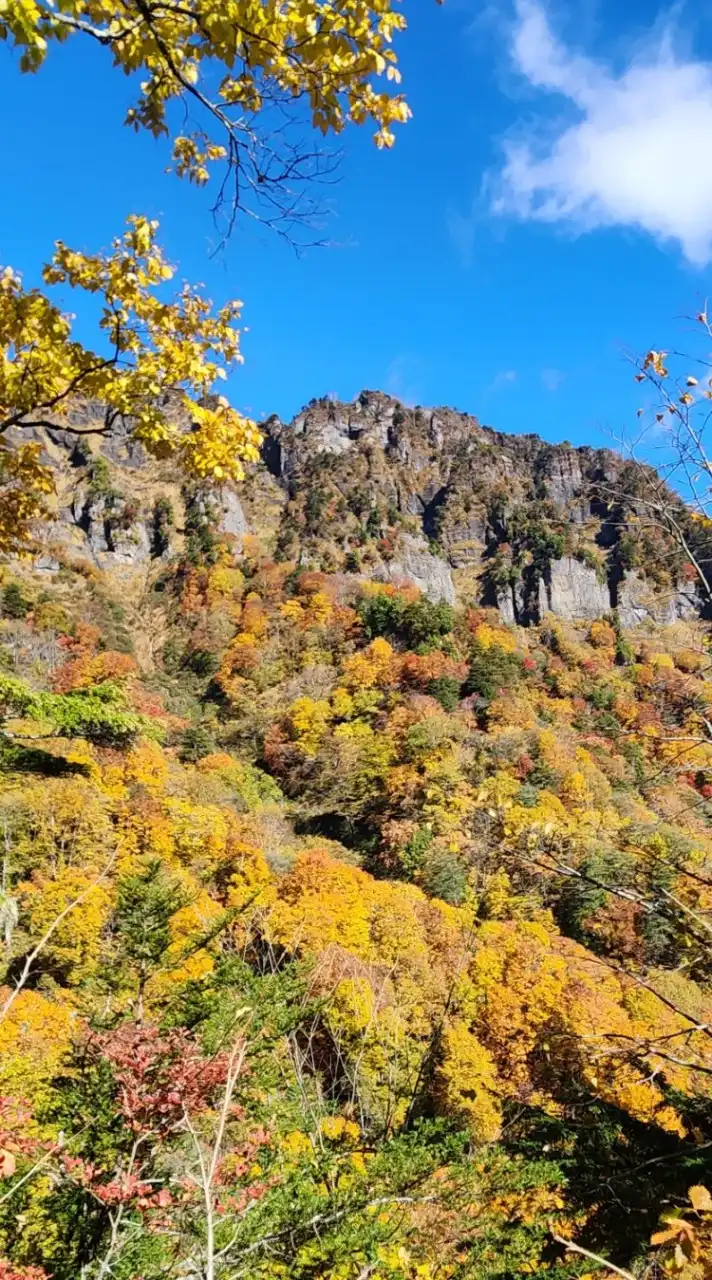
{"type": "Point", "coordinates": [351, 929]}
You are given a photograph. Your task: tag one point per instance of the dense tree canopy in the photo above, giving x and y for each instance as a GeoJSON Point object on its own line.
{"type": "Point", "coordinates": [375, 932]}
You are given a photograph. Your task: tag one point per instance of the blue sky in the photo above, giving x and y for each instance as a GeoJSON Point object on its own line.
{"type": "Point", "coordinates": [548, 208]}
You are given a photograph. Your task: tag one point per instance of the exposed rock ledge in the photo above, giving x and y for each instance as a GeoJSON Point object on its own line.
{"type": "Point", "coordinates": [572, 590]}
{"type": "Point", "coordinates": [418, 565]}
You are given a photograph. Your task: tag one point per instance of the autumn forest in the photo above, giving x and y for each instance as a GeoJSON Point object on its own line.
{"type": "Point", "coordinates": [355, 773]}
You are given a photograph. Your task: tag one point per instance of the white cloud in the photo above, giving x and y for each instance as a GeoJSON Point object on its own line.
{"type": "Point", "coordinates": [461, 229]}
{"type": "Point", "coordinates": [503, 379]}
{"type": "Point", "coordinates": [634, 152]}
{"type": "Point", "coordinates": [552, 379]}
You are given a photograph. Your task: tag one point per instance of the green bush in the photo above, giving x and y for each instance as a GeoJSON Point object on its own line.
{"type": "Point", "coordinates": [99, 477]}
{"type": "Point", "coordinates": [425, 623]}
{"type": "Point", "coordinates": [200, 521]}
{"type": "Point", "coordinates": [418, 625]}
{"type": "Point", "coordinates": [163, 522]}
{"type": "Point", "coordinates": [196, 743]}
{"type": "Point", "coordinates": [447, 691]}
{"type": "Point", "coordinates": [414, 853]}
{"type": "Point", "coordinates": [601, 696]}
{"type": "Point", "coordinates": [581, 897]}
{"type": "Point", "coordinates": [14, 603]}
{"type": "Point", "coordinates": [491, 670]}
{"type": "Point", "coordinates": [202, 662]}
{"type": "Point", "coordinates": [100, 714]}
{"type": "Point", "coordinates": [445, 877]}
{"type": "Point", "coordinates": [528, 795]}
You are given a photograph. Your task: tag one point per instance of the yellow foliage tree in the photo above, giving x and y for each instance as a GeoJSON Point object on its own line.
{"type": "Point", "coordinates": [35, 1034]}
{"type": "Point", "coordinates": [157, 367]}
{"type": "Point", "coordinates": [57, 823]}
{"type": "Point", "coordinates": [468, 1083]}
{"type": "Point", "coordinates": [376, 667]}
{"type": "Point", "coordinates": [328, 54]}
{"type": "Point", "coordinates": [75, 945]}
{"type": "Point", "coordinates": [158, 361]}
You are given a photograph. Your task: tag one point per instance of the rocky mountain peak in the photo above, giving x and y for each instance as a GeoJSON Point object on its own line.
{"type": "Point", "coordinates": [434, 496]}
{"type": "Point", "coordinates": [383, 490]}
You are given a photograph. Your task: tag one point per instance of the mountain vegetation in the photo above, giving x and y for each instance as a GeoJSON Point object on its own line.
{"type": "Point", "coordinates": [347, 932]}
{"type": "Point", "coordinates": [355, 775]}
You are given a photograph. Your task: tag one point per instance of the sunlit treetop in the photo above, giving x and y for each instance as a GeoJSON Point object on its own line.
{"type": "Point", "coordinates": [230, 61]}
{"type": "Point", "coordinates": [251, 78]}
{"type": "Point", "coordinates": [159, 362]}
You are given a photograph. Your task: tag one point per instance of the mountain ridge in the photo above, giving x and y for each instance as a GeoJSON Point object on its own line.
{"type": "Point", "coordinates": [379, 490]}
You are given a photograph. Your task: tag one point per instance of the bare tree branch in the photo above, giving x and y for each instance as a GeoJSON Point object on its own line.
{"type": "Point", "coordinates": [593, 1257]}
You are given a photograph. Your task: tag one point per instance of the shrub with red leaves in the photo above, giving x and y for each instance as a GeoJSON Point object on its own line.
{"type": "Point", "coordinates": [161, 1077]}
{"type": "Point", "coordinates": [8, 1271]}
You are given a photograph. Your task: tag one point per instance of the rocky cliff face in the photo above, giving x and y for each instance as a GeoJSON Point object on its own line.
{"type": "Point", "coordinates": [380, 490]}
{"type": "Point", "coordinates": [464, 511]}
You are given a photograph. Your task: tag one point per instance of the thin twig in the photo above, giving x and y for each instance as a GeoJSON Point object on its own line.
{"type": "Point", "coordinates": [46, 937]}
{"type": "Point", "coordinates": [593, 1257]}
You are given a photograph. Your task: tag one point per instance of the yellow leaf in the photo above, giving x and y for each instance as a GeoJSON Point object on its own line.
{"type": "Point", "coordinates": [700, 1199]}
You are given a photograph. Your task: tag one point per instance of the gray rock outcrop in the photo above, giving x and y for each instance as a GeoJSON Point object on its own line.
{"type": "Point", "coordinates": [639, 603]}
{"type": "Point", "coordinates": [111, 536]}
{"type": "Point", "coordinates": [401, 493]}
{"type": "Point", "coordinates": [232, 519]}
{"type": "Point", "coordinates": [572, 590]}
{"type": "Point", "coordinates": [416, 563]}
